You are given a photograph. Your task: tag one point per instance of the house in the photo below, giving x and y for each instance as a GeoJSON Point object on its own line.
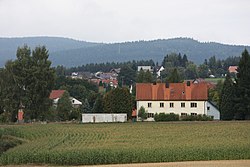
{"type": "Point", "coordinates": [179, 98]}
{"type": "Point", "coordinates": [159, 70]}
{"type": "Point", "coordinates": [213, 111]}
{"type": "Point", "coordinates": [232, 69]}
{"type": "Point", "coordinates": [145, 68]}
{"type": "Point", "coordinates": [55, 95]}
{"type": "Point", "coordinates": [81, 75]}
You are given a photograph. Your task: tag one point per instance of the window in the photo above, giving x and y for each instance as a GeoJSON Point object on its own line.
{"type": "Point", "coordinates": [183, 105]}
{"type": "Point", "coordinates": [150, 115]}
{"type": "Point", "coordinates": [193, 113]}
{"type": "Point", "coordinates": [193, 105]}
{"type": "Point", "coordinates": [183, 114]}
{"type": "Point", "coordinates": [161, 105]}
{"type": "Point", "coordinates": [208, 108]}
{"type": "Point", "coordinates": [171, 105]}
{"type": "Point", "coordinates": [149, 105]}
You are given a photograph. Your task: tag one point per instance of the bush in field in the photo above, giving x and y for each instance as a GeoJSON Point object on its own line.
{"type": "Point", "coordinates": [196, 118]}
{"type": "Point", "coordinates": [142, 113]}
{"type": "Point", "coordinates": [166, 117]}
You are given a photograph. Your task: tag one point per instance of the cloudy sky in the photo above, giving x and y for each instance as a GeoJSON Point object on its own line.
{"type": "Point", "coordinates": [225, 21]}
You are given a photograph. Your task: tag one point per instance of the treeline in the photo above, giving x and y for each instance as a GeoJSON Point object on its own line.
{"type": "Point", "coordinates": [104, 67]}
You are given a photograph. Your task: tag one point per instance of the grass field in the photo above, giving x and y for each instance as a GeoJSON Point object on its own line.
{"type": "Point", "coordinates": [79, 144]}
{"type": "Point", "coordinates": [214, 80]}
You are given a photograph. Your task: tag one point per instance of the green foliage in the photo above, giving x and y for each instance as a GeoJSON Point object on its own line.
{"type": "Point", "coordinates": [76, 144]}
{"type": "Point", "coordinates": [98, 105]}
{"type": "Point", "coordinates": [118, 100]}
{"type": "Point", "coordinates": [75, 114]}
{"type": "Point", "coordinates": [142, 113]}
{"type": "Point", "coordinates": [226, 105]}
{"type": "Point", "coordinates": [214, 94]}
{"type": "Point", "coordinates": [203, 71]}
{"type": "Point", "coordinates": [243, 87]}
{"type": "Point", "coordinates": [64, 107]}
{"type": "Point", "coordinates": [196, 118]}
{"type": "Point", "coordinates": [7, 141]}
{"type": "Point", "coordinates": [77, 88]}
{"type": "Point", "coordinates": [162, 117]}
{"type": "Point", "coordinates": [86, 107]}
{"type": "Point", "coordinates": [126, 76]}
{"type": "Point", "coordinates": [174, 77]}
{"type": "Point", "coordinates": [28, 81]}
{"type": "Point", "coordinates": [144, 77]}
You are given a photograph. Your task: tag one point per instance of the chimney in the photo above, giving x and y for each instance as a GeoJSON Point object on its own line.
{"type": "Point", "coordinates": [167, 84]}
{"type": "Point", "coordinates": [188, 91]}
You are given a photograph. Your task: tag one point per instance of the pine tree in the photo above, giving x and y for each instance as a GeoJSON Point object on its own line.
{"type": "Point", "coordinates": [174, 77]}
{"type": "Point", "coordinates": [226, 104]}
{"type": "Point", "coordinates": [243, 87]}
{"type": "Point", "coordinates": [148, 78]}
{"type": "Point", "coordinates": [98, 105]}
{"type": "Point", "coordinates": [118, 100]}
{"type": "Point", "coordinates": [140, 76]}
{"type": "Point", "coordinates": [86, 107]}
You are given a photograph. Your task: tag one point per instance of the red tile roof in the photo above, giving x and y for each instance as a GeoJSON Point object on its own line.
{"type": "Point", "coordinates": [56, 94]}
{"type": "Point", "coordinates": [175, 91]}
{"type": "Point", "coordinates": [232, 69]}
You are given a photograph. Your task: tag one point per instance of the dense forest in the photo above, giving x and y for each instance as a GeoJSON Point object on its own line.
{"type": "Point", "coordinates": [71, 53]}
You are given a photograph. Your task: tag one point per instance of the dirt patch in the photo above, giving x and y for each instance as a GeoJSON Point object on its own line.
{"type": "Point", "coordinates": [222, 163]}
{"type": "Point", "coordinates": [219, 163]}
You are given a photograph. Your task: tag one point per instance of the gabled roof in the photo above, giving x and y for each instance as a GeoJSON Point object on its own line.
{"type": "Point", "coordinates": [171, 91]}
{"type": "Point", "coordinates": [56, 94]}
{"type": "Point", "coordinates": [233, 69]}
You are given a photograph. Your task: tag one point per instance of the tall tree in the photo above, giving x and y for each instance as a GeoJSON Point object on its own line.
{"type": "Point", "coordinates": [174, 77]}
{"type": "Point", "coordinates": [31, 79]}
{"type": "Point", "coordinates": [126, 76]}
{"type": "Point", "coordinates": [98, 105]}
{"type": "Point", "coordinates": [243, 87]}
{"type": "Point", "coordinates": [226, 104]}
{"type": "Point", "coordinates": [140, 76]}
{"type": "Point", "coordinates": [118, 100]}
{"type": "Point", "coordinates": [148, 77]}
{"type": "Point", "coordinates": [64, 107]}
{"type": "Point", "coordinates": [86, 107]}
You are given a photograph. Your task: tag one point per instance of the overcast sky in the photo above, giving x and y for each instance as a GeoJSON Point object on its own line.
{"type": "Point", "coordinates": [225, 21]}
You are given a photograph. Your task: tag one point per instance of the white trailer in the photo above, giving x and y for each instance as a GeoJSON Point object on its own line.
{"type": "Point", "coordinates": [97, 117]}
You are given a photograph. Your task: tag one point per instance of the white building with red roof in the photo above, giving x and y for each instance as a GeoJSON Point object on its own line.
{"type": "Point", "coordinates": [178, 98]}
{"type": "Point", "coordinates": [55, 95]}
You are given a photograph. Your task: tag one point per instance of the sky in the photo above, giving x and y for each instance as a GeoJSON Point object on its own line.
{"type": "Point", "coordinates": [224, 21]}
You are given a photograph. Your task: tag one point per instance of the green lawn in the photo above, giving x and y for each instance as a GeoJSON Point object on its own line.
{"type": "Point", "coordinates": [214, 80]}
{"type": "Point", "coordinates": [75, 144]}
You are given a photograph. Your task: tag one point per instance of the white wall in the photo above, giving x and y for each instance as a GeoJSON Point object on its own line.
{"type": "Point", "coordinates": [213, 111]}
{"type": "Point", "coordinates": [96, 117]}
{"type": "Point", "coordinates": [177, 109]}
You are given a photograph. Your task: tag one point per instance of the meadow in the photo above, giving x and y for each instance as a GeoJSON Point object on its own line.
{"type": "Point", "coordinates": [117, 143]}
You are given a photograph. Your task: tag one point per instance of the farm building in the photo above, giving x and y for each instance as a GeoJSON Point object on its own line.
{"type": "Point", "coordinates": [55, 95]}
{"type": "Point", "coordinates": [188, 98]}
{"type": "Point", "coordinates": [96, 117]}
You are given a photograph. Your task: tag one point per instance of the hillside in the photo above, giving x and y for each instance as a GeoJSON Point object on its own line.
{"type": "Point", "coordinates": [70, 52]}
{"type": "Point", "coordinates": [8, 46]}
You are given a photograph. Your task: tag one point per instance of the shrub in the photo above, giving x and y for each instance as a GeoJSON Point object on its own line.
{"type": "Point", "coordinates": [196, 118]}
{"type": "Point", "coordinates": [142, 113]}
{"type": "Point", "coordinates": [166, 117]}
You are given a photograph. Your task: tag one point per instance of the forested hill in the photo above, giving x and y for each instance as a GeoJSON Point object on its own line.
{"type": "Point", "coordinates": [69, 52]}
{"type": "Point", "coordinates": [8, 46]}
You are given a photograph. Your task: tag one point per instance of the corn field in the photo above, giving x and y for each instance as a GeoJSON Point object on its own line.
{"type": "Point", "coordinates": [116, 143]}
